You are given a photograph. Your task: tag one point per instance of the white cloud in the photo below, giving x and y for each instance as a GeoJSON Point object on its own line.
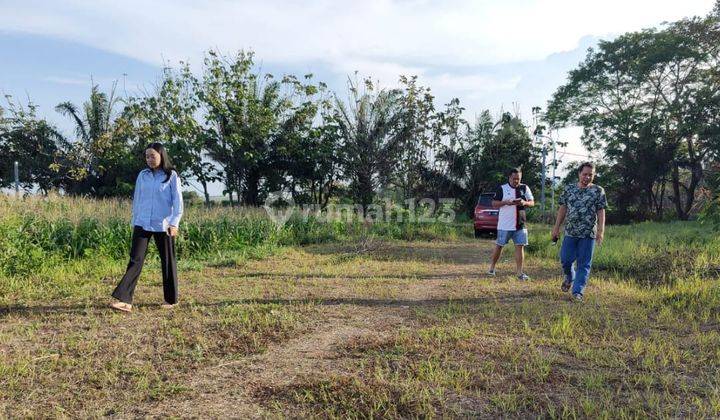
{"type": "Point", "coordinates": [387, 73]}
{"type": "Point", "coordinates": [378, 38]}
{"type": "Point", "coordinates": [476, 84]}
{"type": "Point", "coordinates": [452, 45]}
{"type": "Point", "coordinates": [67, 80]}
{"type": "Point", "coordinates": [456, 32]}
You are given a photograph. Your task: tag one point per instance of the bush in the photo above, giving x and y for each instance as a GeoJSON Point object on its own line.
{"type": "Point", "coordinates": [39, 234]}
{"type": "Point", "coordinates": [649, 253]}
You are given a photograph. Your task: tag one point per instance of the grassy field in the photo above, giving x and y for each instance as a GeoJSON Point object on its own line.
{"type": "Point", "coordinates": [362, 325]}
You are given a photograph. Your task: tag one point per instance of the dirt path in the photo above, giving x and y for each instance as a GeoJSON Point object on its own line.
{"type": "Point", "coordinates": [226, 390]}
{"type": "Point", "coordinates": [408, 330]}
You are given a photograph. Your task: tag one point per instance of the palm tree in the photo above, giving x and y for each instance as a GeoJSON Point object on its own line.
{"type": "Point", "coordinates": [94, 125]}
{"type": "Point", "coordinates": [98, 114]}
{"type": "Point", "coordinates": [372, 136]}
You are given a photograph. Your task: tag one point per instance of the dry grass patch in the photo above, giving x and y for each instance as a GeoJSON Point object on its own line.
{"type": "Point", "coordinates": [103, 363]}
{"type": "Point", "coordinates": [400, 330]}
{"type": "Point", "coordinates": [520, 357]}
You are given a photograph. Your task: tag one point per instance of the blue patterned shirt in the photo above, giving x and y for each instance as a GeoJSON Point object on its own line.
{"type": "Point", "coordinates": [582, 207]}
{"type": "Point", "coordinates": [157, 204]}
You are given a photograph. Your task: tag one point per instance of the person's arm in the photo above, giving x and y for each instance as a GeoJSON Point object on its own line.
{"type": "Point", "coordinates": [600, 235]}
{"type": "Point", "coordinates": [601, 206]}
{"type": "Point", "coordinates": [497, 204]}
{"type": "Point", "coordinates": [562, 211]}
{"type": "Point", "coordinates": [529, 199]}
{"type": "Point", "coordinates": [135, 201]}
{"type": "Point", "coordinates": [497, 200]}
{"type": "Point", "coordinates": [177, 203]}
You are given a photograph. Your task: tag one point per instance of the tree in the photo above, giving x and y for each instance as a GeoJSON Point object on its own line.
{"type": "Point", "coordinates": [418, 129]}
{"type": "Point", "coordinates": [648, 100]}
{"type": "Point", "coordinates": [370, 125]}
{"type": "Point", "coordinates": [711, 210]}
{"type": "Point", "coordinates": [479, 160]}
{"type": "Point", "coordinates": [222, 91]}
{"type": "Point", "coordinates": [446, 173]}
{"type": "Point", "coordinates": [169, 116]}
{"type": "Point", "coordinates": [98, 162]}
{"type": "Point", "coordinates": [248, 117]}
{"type": "Point", "coordinates": [33, 143]}
{"type": "Point", "coordinates": [307, 154]}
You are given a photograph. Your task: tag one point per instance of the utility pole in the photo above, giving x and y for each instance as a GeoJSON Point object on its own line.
{"type": "Point", "coordinates": [539, 138]}
{"type": "Point", "coordinates": [553, 182]}
{"type": "Point", "coordinates": [17, 180]}
{"type": "Point", "coordinates": [542, 181]}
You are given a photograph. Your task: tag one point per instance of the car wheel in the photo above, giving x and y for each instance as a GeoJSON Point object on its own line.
{"type": "Point", "coordinates": [478, 233]}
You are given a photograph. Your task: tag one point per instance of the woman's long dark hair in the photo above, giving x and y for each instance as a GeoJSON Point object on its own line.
{"type": "Point", "coordinates": [165, 162]}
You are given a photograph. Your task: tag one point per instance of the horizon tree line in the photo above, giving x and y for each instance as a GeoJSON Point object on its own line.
{"type": "Point", "coordinates": [648, 101]}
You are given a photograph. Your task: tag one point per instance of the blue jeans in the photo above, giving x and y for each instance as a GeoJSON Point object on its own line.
{"type": "Point", "coordinates": [519, 237]}
{"type": "Point", "coordinates": [580, 252]}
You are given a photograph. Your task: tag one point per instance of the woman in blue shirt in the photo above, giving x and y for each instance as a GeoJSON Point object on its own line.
{"type": "Point", "coordinates": [156, 212]}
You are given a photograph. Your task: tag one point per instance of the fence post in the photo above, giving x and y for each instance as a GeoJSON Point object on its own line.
{"type": "Point", "coordinates": [542, 178]}
{"type": "Point", "coordinates": [17, 180]}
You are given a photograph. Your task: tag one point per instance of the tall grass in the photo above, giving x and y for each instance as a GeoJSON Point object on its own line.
{"type": "Point", "coordinates": [649, 253]}
{"type": "Point", "coordinates": [40, 234]}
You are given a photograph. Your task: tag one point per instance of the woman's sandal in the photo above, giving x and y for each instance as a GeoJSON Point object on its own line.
{"type": "Point", "coordinates": [121, 306]}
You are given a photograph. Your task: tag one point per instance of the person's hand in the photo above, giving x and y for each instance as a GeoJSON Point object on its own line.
{"type": "Point", "coordinates": [599, 238]}
{"type": "Point", "coordinates": [172, 231]}
{"type": "Point", "coordinates": [555, 233]}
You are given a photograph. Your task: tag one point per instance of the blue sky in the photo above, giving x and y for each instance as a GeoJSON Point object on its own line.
{"type": "Point", "coordinates": [496, 55]}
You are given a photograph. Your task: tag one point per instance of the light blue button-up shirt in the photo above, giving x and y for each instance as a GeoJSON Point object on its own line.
{"type": "Point", "coordinates": [157, 204]}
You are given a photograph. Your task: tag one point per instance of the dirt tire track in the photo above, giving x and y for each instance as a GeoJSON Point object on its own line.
{"type": "Point", "coordinates": [225, 390]}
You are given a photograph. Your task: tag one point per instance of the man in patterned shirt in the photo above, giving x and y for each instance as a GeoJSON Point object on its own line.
{"type": "Point", "coordinates": [582, 206]}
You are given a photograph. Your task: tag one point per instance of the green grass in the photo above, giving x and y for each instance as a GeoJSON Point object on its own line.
{"type": "Point", "coordinates": [81, 366]}
{"type": "Point", "coordinates": [650, 253]}
{"type": "Point", "coordinates": [347, 321]}
{"type": "Point", "coordinates": [51, 246]}
{"type": "Point", "coordinates": [566, 361]}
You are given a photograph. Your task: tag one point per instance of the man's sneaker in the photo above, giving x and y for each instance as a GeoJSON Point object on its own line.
{"type": "Point", "coordinates": [578, 297]}
{"type": "Point", "coordinates": [491, 273]}
{"type": "Point", "coordinates": [565, 286]}
{"type": "Point", "coordinates": [523, 277]}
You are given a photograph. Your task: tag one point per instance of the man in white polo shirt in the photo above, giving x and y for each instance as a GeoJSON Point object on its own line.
{"type": "Point", "coordinates": [512, 199]}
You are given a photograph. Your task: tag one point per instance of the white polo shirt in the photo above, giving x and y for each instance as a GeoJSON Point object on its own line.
{"type": "Point", "coordinates": [512, 217]}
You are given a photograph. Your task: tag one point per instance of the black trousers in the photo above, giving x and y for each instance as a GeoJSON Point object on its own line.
{"type": "Point", "coordinates": [166, 248]}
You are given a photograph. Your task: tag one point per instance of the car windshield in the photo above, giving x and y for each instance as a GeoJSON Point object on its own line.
{"type": "Point", "coordinates": [485, 200]}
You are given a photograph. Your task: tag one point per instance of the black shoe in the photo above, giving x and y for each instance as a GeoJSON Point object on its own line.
{"type": "Point", "coordinates": [565, 286]}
